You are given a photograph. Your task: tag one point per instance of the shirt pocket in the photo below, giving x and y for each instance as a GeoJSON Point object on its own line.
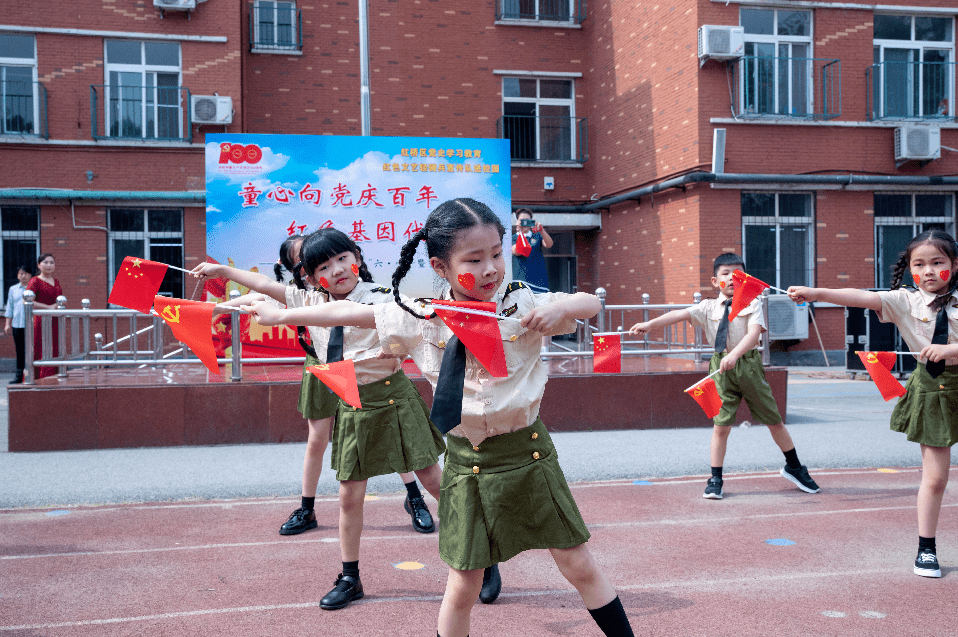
{"type": "Point", "coordinates": [433, 348]}
{"type": "Point", "coordinates": [924, 321]}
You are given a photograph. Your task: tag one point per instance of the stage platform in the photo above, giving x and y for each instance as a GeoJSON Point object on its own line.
{"type": "Point", "coordinates": [186, 405]}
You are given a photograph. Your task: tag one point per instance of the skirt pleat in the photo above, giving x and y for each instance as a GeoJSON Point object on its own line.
{"type": "Point", "coordinates": [928, 412]}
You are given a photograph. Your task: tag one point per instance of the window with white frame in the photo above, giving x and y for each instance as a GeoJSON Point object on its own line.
{"type": "Point", "coordinates": [538, 119]}
{"type": "Point", "coordinates": [914, 69]}
{"type": "Point", "coordinates": [901, 217]}
{"type": "Point", "coordinates": [777, 67]}
{"type": "Point", "coordinates": [777, 238]}
{"type": "Point", "coordinates": [143, 90]}
{"type": "Point", "coordinates": [20, 240]}
{"type": "Point", "coordinates": [274, 25]}
{"type": "Point", "coordinates": [154, 234]}
{"type": "Point", "coordinates": [18, 82]}
{"type": "Point", "coordinates": [544, 10]}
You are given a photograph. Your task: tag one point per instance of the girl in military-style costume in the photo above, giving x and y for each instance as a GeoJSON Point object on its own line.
{"type": "Point", "coordinates": [927, 317]}
{"type": "Point", "coordinates": [392, 432]}
{"type": "Point", "coordinates": [503, 491]}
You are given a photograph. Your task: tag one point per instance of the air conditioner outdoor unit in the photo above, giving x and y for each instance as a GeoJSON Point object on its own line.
{"type": "Point", "coordinates": [721, 42]}
{"type": "Point", "coordinates": [211, 109]}
{"type": "Point", "coordinates": [175, 5]}
{"type": "Point", "coordinates": [917, 142]}
{"type": "Point", "coordinates": [786, 319]}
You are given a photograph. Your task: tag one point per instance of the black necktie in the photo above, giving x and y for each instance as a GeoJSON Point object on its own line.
{"type": "Point", "coordinates": [935, 368]}
{"type": "Point", "coordinates": [334, 349]}
{"type": "Point", "coordinates": [721, 336]}
{"type": "Point", "coordinates": [446, 410]}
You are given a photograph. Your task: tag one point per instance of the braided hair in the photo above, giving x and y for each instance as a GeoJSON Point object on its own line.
{"type": "Point", "coordinates": [322, 245]}
{"type": "Point", "coordinates": [285, 260]}
{"type": "Point", "coordinates": [945, 244]}
{"type": "Point", "coordinates": [440, 232]}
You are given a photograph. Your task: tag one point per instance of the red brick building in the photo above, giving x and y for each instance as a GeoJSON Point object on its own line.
{"type": "Point", "coordinates": [103, 153]}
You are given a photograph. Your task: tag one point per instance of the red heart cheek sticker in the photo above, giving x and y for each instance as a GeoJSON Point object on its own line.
{"type": "Point", "coordinates": [945, 275]}
{"type": "Point", "coordinates": [722, 284]}
{"type": "Point", "coordinates": [467, 281]}
{"type": "Point", "coordinates": [355, 269]}
{"type": "Point", "coordinates": [323, 282]}
{"type": "Point", "coordinates": [916, 278]}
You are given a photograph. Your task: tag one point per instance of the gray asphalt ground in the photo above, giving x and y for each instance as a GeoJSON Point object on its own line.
{"type": "Point", "coordinates": [835, 423]}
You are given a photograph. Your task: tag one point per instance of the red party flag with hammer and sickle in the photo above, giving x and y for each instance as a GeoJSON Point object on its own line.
{"type": "Point", "coordinates": [480, 334]}
{"type": "Point", "coordinates": [707, 396]}
{"type": "Point", "coordinates": [747, 289]}
{"type": "Point", "coordinates": [340, 377]}
{"type": "Point", "coordinates": [523, 247]}
{"type": "Point", "coordinates": [137, 283]}
{"type": "Point", "coordinates": [191, 323]}
{"type": "Point", "coordinates": [878, 365]}
{"type": "Point", "coordinates": [606, 353]}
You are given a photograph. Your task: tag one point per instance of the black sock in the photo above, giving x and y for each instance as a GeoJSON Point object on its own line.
{"type": "Point", "coordinates": [717, 472]}
{"type": "Point", "coordinates": [791, 459]}
{"type": "Point", "coordinates": [612, 620]}
{"type": "Point", "coordinates": [926, 543]}
{"type": "Point", "coordinates": [412, 490]}
{"type": "Point", "coordinates": [308, 503]}
{"type": "Point", "coordinates": [351, 568]}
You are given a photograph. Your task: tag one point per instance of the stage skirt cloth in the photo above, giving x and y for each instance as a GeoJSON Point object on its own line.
{"type": "Point", "coordinates": [928, 413]}
{"type": "Point", "coordinates": [316, 401]}
{"type": "Point", "coordinates": [507, 497]}
{"type": "Point", "coordinates": [392, 433]}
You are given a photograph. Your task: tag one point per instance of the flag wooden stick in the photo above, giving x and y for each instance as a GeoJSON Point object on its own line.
{"type": "Point", "coordinates": [137, 333]}
{"type": "Point", "coordinates": [703, 380]}
{"type": "Point", "coordinates": [817, 333]}
{"type": "Point", "coordinates": [453, 308]}
{"type": "Point", "coordinates": [609, 333]}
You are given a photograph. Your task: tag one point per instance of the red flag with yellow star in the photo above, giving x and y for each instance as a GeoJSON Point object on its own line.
{"type": "Point", "coordinates": [523, 247]}
{"type": "Point", "coordinates": [137, 283]}
{"type": "Point", "coordinates": [340, 377]}
{"type": "Point", "coordinates": [747, 289]}
{"type": "Point", "coordinates": [606, 354]}
{"type": "Point", "coordinates": [878, 365]}
{"type": "Point", "coordinates": [707, 396]}
{"type": "Point", "coordinates": [480, 334]}
{"type": "Point", "coordinates": [190, 322]}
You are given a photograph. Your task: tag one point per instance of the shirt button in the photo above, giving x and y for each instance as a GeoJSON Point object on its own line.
{"type": "Point", "coordinates": [391, 402]}
{"type": "Point", "coordinates": [513, 337]}
{"type": "Point", "coordinates": [941, 386]}
{"type": "Point", "coordinates": [442, 343]}
{"type": "Point", "coordinates": [535, 455]}
{"type": "Point", "coordinates": [388, 381]}
{"type": "Point", "coordinates": [488, 401]}
{"type": "Point", "coordinates": [535, 435]}
{"type": "Point", "coordinates": [475, 448]}
{"type": "Point", "coordinates": [475, 469]}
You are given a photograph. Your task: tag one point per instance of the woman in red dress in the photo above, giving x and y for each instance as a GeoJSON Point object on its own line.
{"type": "Point", "coordinates": [47, 290]}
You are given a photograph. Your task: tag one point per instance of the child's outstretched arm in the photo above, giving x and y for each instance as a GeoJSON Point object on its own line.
{"type": "Point", "coordinates": [252, 280]}
{"type": "Point", "coordinates": [849, 297]}
{"type": "Point", "coordinates": [545, 318]}
{"type": "Point", "coordinates": [669, 318]}
{"type": "Point", "coordinates": [323, 315]}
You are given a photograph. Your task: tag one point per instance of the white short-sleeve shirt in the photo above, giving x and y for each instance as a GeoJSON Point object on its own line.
{"type": "Point", "coordinates": [708, 313]}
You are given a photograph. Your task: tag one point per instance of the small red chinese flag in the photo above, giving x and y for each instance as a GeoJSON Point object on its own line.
{"type": "Point", "coordinates": [191, 323]}
{"type": "Point", "coordinates": [523, 248]}
{"type": "Point", "coordinates": [137, 283]}
{"type": "Point", "coordinates": [606, 354]}
{"type": "Point", "coordinates": [480, 334]}
{"type": "Point", "coordinates": [878, 365]}
{"type": "Point", "coordinates": [707, 396]}
{"type": "Point", "coordinates": [341, 379]}
{"type": "Point", "coordinates": [747, 289]}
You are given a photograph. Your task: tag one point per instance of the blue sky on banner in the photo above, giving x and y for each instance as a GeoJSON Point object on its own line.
{"type": "Point", "coordinates": [262, 188]}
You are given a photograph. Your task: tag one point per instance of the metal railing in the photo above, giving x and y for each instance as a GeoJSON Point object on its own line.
{"type": "Point", "coordinates": [275, 26]}
{"type": "Point", "coordinates": [24, 108]}
{"type": "Point", "coordinates": [541, 10]}
{"type": "Point", "coordinates": [141, 112]}
{"type": "Point", "coordinates": [910, 90]}
{"type": "Point", "coordinates": [545, 139]}
{"type": "Point", "coordinates": [789, 87]}
{"type": "Point", "coordinates": [140, 340]}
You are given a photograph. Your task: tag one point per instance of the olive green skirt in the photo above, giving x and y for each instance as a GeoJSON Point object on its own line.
{"type": "Point", "coordinates": [316, 401]}
{"type": "Point", "coordinates": [392, 433]}
{"type": "Point", "coordinates": [928, 412]}
{"type": "Point", "coordinates": [508, 497]}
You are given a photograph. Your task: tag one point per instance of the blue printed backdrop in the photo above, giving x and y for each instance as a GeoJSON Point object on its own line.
{"type": "Point", "coordinates": [378, 190]}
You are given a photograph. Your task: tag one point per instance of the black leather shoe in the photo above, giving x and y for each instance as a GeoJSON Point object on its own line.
{"type": "Point", "coordinates": [16, 380]}
{"type": "Point", "coordinates": [421, 518]}
{"type": "Point", "coordinates": [346, 589]}
{"type": "Point", "coordinates": [299, 520]}
{"type": "Point", "coordinates": [491, 585]}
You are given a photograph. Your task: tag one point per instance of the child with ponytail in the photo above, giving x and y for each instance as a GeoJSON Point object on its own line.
{"type": "Point", "coordinates": [503, 491]}
{"type": "Point", "coordinates": [927, 317]}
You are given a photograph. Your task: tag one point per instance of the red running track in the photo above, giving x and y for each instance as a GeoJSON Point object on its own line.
{"type": "Point", "coordinates": [683, 565]}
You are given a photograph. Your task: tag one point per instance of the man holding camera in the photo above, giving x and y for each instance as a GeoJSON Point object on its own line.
{"type": "Point", "coordinates": [531, 266]}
